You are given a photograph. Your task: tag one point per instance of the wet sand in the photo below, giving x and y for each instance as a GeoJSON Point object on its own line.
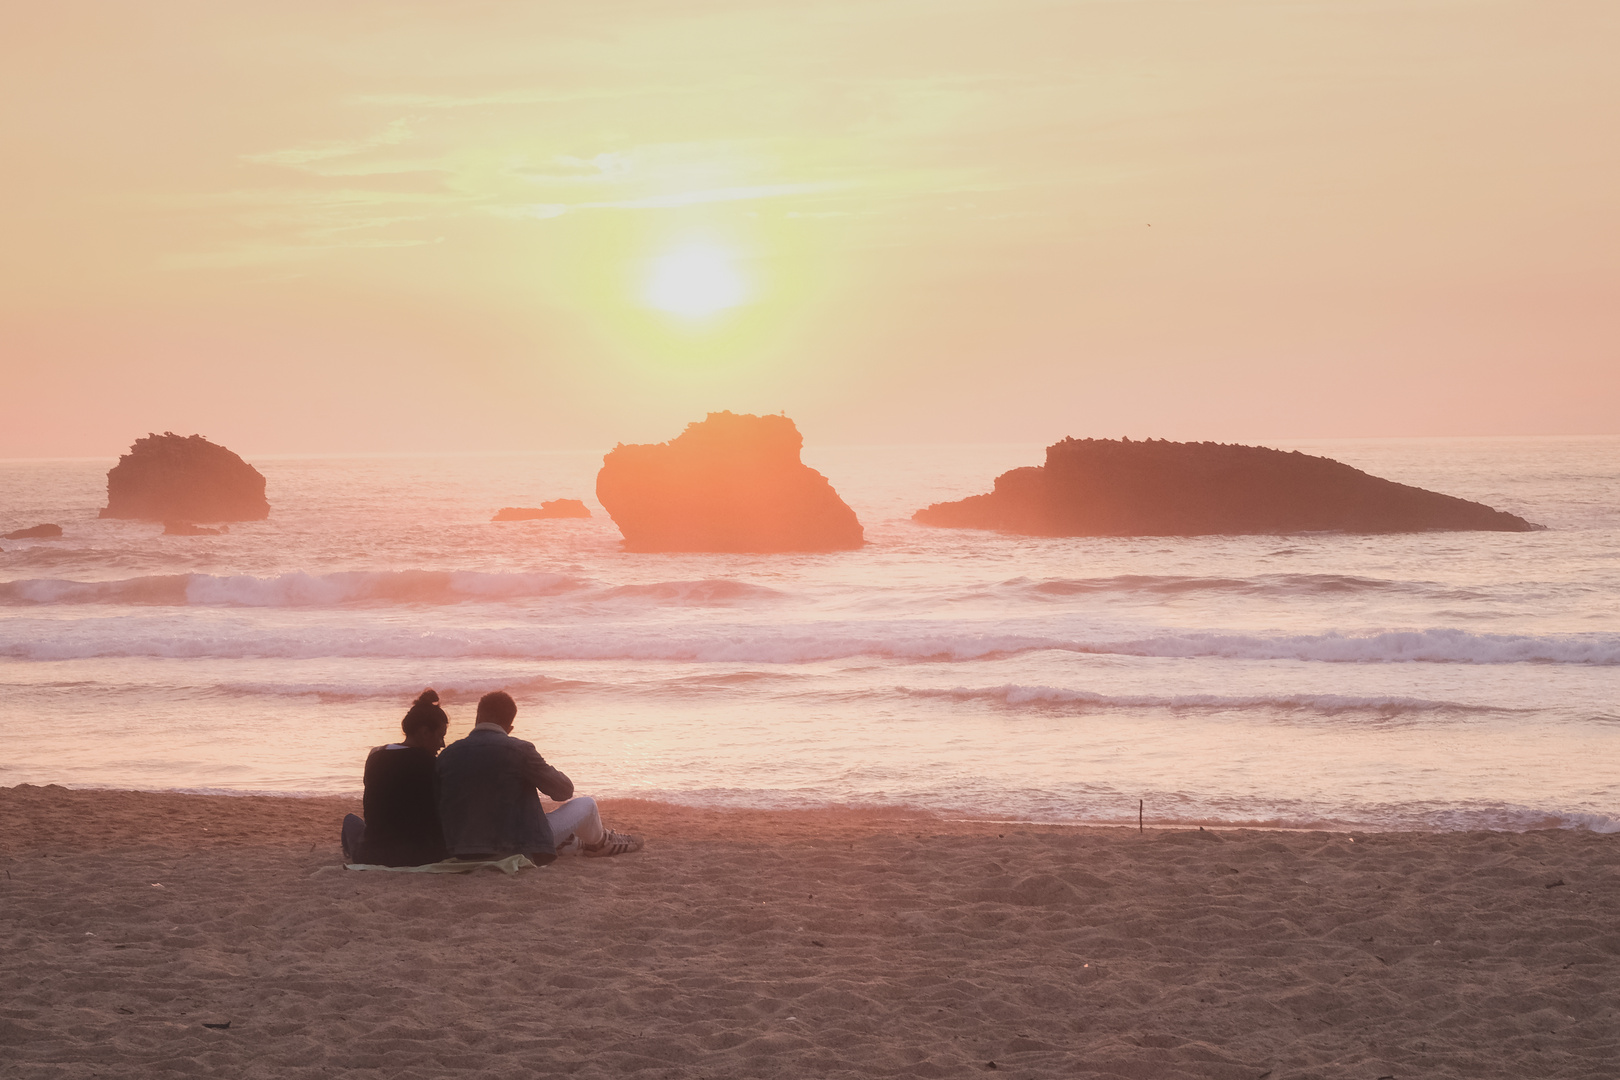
{"type": "Point", "coordinates": [762, 944]}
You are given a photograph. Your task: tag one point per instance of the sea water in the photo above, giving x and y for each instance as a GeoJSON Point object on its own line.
{"type": "Point", "coordinates": [1429, 681]}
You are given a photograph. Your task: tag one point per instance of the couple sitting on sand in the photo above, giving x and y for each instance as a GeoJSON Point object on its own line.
{"type": "Point", "coordinates": [479, 800]}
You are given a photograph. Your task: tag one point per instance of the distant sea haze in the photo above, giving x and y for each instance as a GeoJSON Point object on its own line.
{"type": "Point", "coordinates": [1429, 681]}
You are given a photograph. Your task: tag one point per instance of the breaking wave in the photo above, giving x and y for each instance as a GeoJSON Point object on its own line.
{"type": "Point", "coordinates": [358, 587]}
{"type": "Point", "coordinates": [1438, 645]}
{"type": "Point", "coordinates": [711, 640]}
{"type": "Point", "coordinates": [1328, 704]}
{"type": "Point", "coordinates": [300, 589]}
{"type": "Point", "coordinates": [1260, 585]}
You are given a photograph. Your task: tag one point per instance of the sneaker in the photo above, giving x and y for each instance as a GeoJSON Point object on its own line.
{"type": "Point", "coordinates": [571, 846]}
{"type": "Point", "coordinates": [613, 843]}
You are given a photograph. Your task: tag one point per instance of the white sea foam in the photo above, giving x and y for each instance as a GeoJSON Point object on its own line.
{"type": "Point", "coordinates": [786, 642]}
{"type": "Point", "coordinates": [1440, 645]}
{"type": "Point", "coordinates": [405, 587]}
{"type": "Point", "coordinates": [301, 589]}
{"type": "Point", "coordinates": [470, 682]}
{"type": "Point", "coordinates": [1258, 585]}
{"type": "Point", "coordinates": [1329, 704]}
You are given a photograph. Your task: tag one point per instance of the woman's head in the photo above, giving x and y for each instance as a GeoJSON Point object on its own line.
{"type": "Point", "coordinates": [425, 723]}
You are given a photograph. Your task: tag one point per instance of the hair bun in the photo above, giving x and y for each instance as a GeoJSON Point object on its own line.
{"type": "Point", "coordinates": [429, 696]}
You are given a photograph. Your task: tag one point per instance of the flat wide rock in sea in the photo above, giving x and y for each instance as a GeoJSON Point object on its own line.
{"type": "Point", "coordinates": [171, 477]}
{"type": "Point", "coordinates": [38, 532]}
{"type": "Point", "coordinates": [551, 508]}
{"type": "Point", "coordinates": [731, 482]}
{"type": "Point", "coordinates": [1109, 487]}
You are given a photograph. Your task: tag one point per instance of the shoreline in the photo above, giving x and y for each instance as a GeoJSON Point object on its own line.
{"type": "Point", "coordinates": [352, 800]}
{"type": "Point", "coordinates": [798, 942]}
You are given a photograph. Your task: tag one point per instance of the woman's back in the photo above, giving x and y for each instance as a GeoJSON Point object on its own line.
{"type": "Point", "coordinates": [401, 808]}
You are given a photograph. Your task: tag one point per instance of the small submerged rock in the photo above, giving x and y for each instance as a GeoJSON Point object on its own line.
{"type": "Point", "coordinates": [185, 528]}
{"type": "Point", "coordinates": [553, 508]}
{"type": "Point", "coordinates": [38, 532]}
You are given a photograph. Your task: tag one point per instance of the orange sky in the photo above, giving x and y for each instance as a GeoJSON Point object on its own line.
{"type": "Point", "coordinates": [307, 226]}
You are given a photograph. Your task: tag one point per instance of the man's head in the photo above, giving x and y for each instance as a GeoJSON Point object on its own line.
{"type": "Point", "coordinates": [497, 708]}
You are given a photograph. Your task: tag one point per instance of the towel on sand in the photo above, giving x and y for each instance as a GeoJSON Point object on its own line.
{"type": "Point", "coordinates": [510, 865]}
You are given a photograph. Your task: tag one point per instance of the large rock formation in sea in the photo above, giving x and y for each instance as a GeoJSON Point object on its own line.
{"type": "Point", "coordinates": [1107, 487]}
{"type": "Point", "coordinates": [170, 477]}
{"type": "Point", "coordinates": [731, 482]}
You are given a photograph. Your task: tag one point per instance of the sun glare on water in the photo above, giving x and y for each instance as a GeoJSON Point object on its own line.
{"type": "Point", "coordinates": [695, 281]}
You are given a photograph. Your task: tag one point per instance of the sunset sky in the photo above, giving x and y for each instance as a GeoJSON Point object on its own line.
{"type": "Point", "coordinates": [312, 227]}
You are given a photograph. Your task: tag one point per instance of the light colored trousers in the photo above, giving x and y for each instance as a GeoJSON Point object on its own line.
{"type": "Point", "coordinates": [576, 817]}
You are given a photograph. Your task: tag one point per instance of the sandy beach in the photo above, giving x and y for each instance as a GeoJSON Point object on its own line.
{"type": "Point", "coordinates": [840, 943]}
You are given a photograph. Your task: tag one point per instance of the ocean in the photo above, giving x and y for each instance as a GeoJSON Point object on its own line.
{"type": "Point", "coordinates": [1437, 681]}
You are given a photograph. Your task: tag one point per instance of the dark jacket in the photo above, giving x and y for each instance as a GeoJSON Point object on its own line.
{"type": "Point", "coordinates": [489, 800]}
{"type": "Point", "coordinates": [401, 807]}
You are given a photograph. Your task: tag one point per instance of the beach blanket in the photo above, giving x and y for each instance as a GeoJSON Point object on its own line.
{"type": "Point", "coordinates": [510, 865]}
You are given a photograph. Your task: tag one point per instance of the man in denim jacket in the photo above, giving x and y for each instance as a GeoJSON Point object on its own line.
{"type": "Point", "coordinates": [489, 797]}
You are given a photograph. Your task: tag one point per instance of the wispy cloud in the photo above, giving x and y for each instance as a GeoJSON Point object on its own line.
{"type": "Point", "coordinates": [279, 225]}
{"type": "Point", "coordinates": [514, 97]}
{"type": "Point", "coordinates": [266, 253]}
{"type": "Point", "coordinates": [612, 167]}
{"type": "Point", "coordinates": [745, 193]}
{"type": "Point", "coordinates": [302, 157]}
{"type": "Point", "coordinates": [420, 174]}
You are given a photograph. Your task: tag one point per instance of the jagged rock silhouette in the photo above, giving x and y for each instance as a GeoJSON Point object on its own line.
{"type": "Point", "coordinates": [1109, 487]}
{"type": "Point", "coordinates": [731, 482]}
{"type": "Point", "coordinates": [176, 478]}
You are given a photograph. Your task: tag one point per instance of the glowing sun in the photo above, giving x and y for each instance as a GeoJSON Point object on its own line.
{"type": "Point", "coordinates": [695, 281]}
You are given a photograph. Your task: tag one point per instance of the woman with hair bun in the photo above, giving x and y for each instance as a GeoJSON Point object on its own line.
{"type": "Point", "coordinates": [401, 826]}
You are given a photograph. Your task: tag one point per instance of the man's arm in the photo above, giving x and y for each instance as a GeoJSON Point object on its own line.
{"type": "Point", "coordinates": [553, 784]}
